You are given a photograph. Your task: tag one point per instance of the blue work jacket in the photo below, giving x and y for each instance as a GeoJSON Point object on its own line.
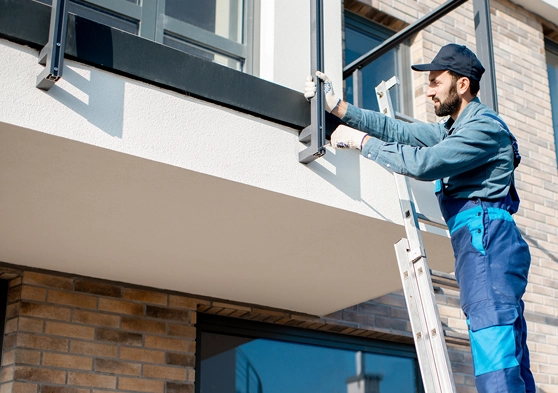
{"type": "Point", "coordinates": [474, 154]}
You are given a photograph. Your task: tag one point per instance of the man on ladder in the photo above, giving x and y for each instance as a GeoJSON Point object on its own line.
{"type": "Point", "coordinates": [474, 155]}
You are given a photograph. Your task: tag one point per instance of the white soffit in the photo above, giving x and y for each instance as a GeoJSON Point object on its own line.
{"type": "Point", "coordinates": [72, 207]}
{"type": "Point", "coordinates": [548, 9]}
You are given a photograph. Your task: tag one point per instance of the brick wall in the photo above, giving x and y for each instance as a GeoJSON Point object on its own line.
{"type": "Point", "coordinates": [67, 334]}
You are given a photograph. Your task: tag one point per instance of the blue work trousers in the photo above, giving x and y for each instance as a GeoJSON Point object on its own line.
{"type": "Point", "coordinates": [491, 266]}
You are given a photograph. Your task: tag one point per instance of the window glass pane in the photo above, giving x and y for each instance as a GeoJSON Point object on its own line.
{"type": "Point", "coordinates": [232, 364]}
{"type": "Point", "coordinates": [101, 15]}
{"type": "Point", "coordinates": [188, 47]}
{"type": "Point", "coordinates": [359, 39]}
{"type": "Point", "coordinates": [552, 64]}
{"type": "Point", "coordinates": [222, 17]}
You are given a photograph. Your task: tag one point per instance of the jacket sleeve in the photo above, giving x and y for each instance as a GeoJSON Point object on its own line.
{"type": "Point", "coordinates": [387, 129]}
{"type": "Point", "coordinates": [468, 147]}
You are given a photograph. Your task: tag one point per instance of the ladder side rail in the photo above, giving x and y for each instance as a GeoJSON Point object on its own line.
{"type": "Point", "coordinates": [425, 303]}
{"type": "Point", "coordinates": [425, 355]}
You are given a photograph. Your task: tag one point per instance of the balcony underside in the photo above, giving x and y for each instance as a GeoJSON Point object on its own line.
{"type": "Point", "coordinates": [72, 207]}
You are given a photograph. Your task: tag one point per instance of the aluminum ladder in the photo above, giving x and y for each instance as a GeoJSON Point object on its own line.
{"type": "Point", "coordinates": [427, 329]}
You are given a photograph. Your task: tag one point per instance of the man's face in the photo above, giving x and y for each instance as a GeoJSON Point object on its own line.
{"type": "Point", "coordinates": [443, 91]}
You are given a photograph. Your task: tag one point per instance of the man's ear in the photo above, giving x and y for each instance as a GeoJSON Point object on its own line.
{"type": "Point", "coordinates": [463, 85]}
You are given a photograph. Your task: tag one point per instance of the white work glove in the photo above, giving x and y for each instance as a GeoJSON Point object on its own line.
{"type": "Point", "coordinates": [345, 137]}
{"type": "Point", "coordinates": [331, 100]}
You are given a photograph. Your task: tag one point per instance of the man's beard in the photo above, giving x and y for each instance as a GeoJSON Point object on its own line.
{"type": "Point", "coordinates": [451, 104]}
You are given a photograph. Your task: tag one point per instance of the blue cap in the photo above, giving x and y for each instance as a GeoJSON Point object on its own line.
{"type": "Point", "coordinates": [456, 58]}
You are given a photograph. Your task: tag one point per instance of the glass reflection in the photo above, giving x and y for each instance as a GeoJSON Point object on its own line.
{"type": "Point", "coordinates": [222, 17]}
{"type": "Point", "coordinates": [232, 364]}
{"type": "Point", "coordinates": [357, 43]}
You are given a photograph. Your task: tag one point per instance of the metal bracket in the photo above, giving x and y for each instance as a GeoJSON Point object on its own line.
{"type": "Point", "coordinates": [52, 54]}
{"type": "Point", "coordinates": [313, 136]}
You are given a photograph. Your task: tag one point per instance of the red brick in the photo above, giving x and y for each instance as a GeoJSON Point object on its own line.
{"type": "Point", "coordinates": [18, 387]}
{"type": "Point", "coordinates": [42, 342]}
{"type": "Point", "coordinates": [96, 318]}
{"type": "Point", "coordinates": [143, 325]}
{"type": "Point", "coordinates": [11, 326]}
{"type": "Point", "coordinates": [93, 349]}
{"type": "Point", "coordinates": [180, 359]}
{"type": "Point", "coordinates": [183, 302]}
{"type": "Point", "coordinates": [172, 373]}
{"type": "Point", "coordinates": [32, 325]}
{"type": "Point", "coordinates": [145, 296]}
{"type": "Point", "coordinates": [91, 380]}
{"type": "Point", "coordinates": [33, 293]}
{"type": "Point", "coordinates": [67, 361]}
{"type": "Point", "coordinates": [10, 341]}
{"type": "Point", "coordinates": [70, 330]}
{"type": "Point", "coordinates": [7, 374]}
{"type": "Point", "coordinates": [182, 331]}
{"type": "Point", "coordinates": [29, 357]}
{"type": "Point", "coordinates": [36, 374]}
{"type": "Point", "coordinates": [117, 336]}
{"type": "Point", "coordinates": [13, 310]}
{"type": "Point", "coordinates": [6, 387]}
{"type": "Point", "coordinates": [98, 288]}
{"type": "Point", "coordinates": [142, 355]}
{"type": "Point", "coordinates": [117, 367]}
{"type": "Point", "coordinates": [72, 299]}
{"type": "Point", "coordinates": [8, 358]}
{"type": "Point", "coordinates": [47, 280]}
{"type": "Point", "coordinates": [121, 307]}
{"type": "Point", "coordinates": [171, 344]}
{"type": "Point", "coordinates": [45, 311]}
{"type": "Point", "coordinates": [15, 282]}
{"type": "Point", "coordinates": [141, 385]}
{"type": "Point", "coordinates": [14, 294]}
{"type": "Point", "coordinates": [61, 389]}
{"type": "Point", "coordinates": [167, 313]}
{"type": "Point", "coordinates": [173, 387]}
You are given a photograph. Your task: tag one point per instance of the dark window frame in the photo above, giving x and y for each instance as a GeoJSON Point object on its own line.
{"type": "Point", "coordinates": [151, 22]}
{"type": "Point", "coordinates": [403, 56]}
{"type": "Point", "coordinates": [209, 323]}
{"type": "Point", "coordinates": [552, 47]}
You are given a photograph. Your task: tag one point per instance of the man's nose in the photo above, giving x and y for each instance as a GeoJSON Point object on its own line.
{"type": "Point", "coordinates": [430, 92]}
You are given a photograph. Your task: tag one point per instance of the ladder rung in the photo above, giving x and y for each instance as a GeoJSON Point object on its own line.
{"type": "Point", "coordinates": [456, 338]}
{"type": "Point", "coordinates": [431, 221]}
{"type": "Point", "coordinates": [443, 279]}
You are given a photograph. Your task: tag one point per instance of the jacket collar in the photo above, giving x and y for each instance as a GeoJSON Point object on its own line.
{"type": "Point", "coordinates": [467, 113]}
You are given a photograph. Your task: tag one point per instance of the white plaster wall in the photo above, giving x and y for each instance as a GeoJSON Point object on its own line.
{"type": "Point", "coordinates": [109, 111]}
{"type": "Point", "coordinates": [285, 42]}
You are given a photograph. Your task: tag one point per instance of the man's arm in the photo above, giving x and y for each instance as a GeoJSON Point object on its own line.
{"type": "Point", "coordinates": [373, 123]}
{"type": "Point", "coordinates": [471, 147]}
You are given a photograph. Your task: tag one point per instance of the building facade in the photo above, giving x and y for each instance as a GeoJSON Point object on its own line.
{"type": "Point", "coordinates": [158, 233]}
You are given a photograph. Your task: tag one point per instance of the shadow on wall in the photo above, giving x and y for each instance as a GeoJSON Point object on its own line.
{"type": "Point", "coordinates": [341, 169]}
{"type": "Point", "coordinates": [99, 99]}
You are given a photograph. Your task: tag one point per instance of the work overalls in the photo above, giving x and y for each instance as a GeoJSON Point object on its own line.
{"type": "Point", "coordinates": [491, 266]}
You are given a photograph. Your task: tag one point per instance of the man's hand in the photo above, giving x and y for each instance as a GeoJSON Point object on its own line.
{"type": "Point", "coordinates": [345, 137]}
{"type": "Point", "coordinates": [331, 100]}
